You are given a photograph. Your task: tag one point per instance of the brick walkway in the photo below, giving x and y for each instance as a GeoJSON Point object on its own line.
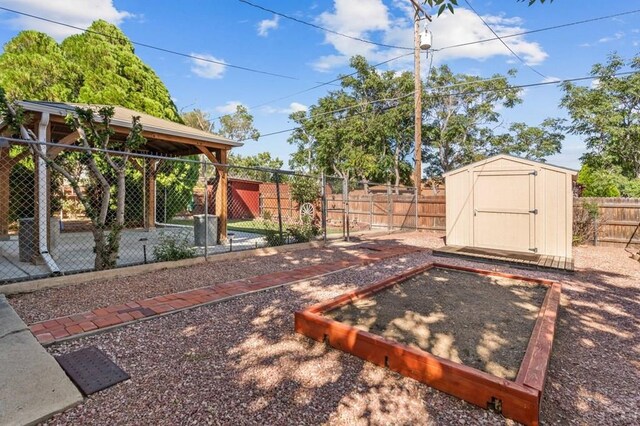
{"type": "Point", "coordinates": [73, 326]}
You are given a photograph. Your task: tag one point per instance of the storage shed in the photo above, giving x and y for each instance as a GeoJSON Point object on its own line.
{"type": "Point", "coordinates": [510, 203]}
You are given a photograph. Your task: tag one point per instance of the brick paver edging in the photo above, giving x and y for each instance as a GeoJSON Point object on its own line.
{"type": "Point", "coordinates": [98, 320]}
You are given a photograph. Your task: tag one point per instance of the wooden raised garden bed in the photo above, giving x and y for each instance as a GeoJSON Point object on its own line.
{"type": "Point", "coordinates": [515, 392]}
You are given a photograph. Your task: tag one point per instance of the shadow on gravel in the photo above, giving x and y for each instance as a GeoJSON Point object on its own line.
{"type": "Point", "coordinates": [594, 374]}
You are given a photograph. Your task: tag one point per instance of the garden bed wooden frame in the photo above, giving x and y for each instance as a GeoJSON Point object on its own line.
{"type": "Point", "coordinates": [518, 400]}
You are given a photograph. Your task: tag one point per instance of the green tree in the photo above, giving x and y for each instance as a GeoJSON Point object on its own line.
{"type": "Point", "coordinates": [261, 160]}
{"type": "Point", "coordinates": [601, 182]}
{"type": "Point", "coordinates": [532, 142]}
{"type": "Point", "coordinates": [33, 66]}
{"type": "Point", "coordinates": [607, 115]}
{"type": "Point", "coordinates": [100, 67]}
{"type": "Point", "coordinates": [364, 130]}
{"type": "Point", "coordinates": [198, 119]}
{"type": "Point", "coordinates": [443, 5]}
{"type": "Point", "coordinates": [459, 111]}
{"type": "Point", "coordinates": [239, 125]}
{"type": "Point", "coordinates": [112, 74]}
{"type": "Point", "coordinates": [462, 117]}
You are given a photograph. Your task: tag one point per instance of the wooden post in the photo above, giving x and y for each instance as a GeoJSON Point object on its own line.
{"type": "Point", "coordinates": [150, 171]}
{"type": "Point", "coordinates": [279, 206]}
{"type": "Point", "coordinates": [417, 105]}
{"type": "Point", "coordinates": [221, 195]}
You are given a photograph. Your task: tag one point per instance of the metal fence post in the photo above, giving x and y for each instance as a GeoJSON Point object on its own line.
{"type": "Point", "coordinates": [165, 204]}
{"type": "Point", "coordinates": [389, 212]}
{"type": "Point", "coordinates": [345, 198]}
{"type": "Point", "coordinates": [206, 212]}
{"type": "Point", "coordinates": [323, 206]}
{"type": "Point", "coordinates": [279, 205]}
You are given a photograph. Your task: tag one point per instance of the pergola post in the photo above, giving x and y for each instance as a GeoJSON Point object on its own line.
{"type": "Point", "coordinates": [150, 171]}
{"type": "Point", "coordinates": [219, 158]}
{"type": "Point", "coordinates": [221, 195]}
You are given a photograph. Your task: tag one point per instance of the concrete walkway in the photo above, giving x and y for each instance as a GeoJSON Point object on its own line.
{"type": "Point", "coordinates": [33, 386]}
{"type": "Point", "coordinates": [99, 319]}
{"type": "Point", "coordinates": [74, 251]}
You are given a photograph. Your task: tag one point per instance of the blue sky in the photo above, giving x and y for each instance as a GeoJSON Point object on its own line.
{"type": "Point", "coordinates": [235, 33]}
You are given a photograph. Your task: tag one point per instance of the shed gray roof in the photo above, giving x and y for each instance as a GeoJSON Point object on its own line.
{"type": "Point", "coordinates": [514, 158]}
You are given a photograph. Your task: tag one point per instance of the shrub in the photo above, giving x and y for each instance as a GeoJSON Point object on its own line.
{"type": "Point", "coordinates": [272, 230]}
{"type": "Point", "coordinates": [631, 188]}
{"type": "Point", "coordinates": [304, 231]}
{"type": "Point", "coordinates": [584, 222]}
{"type": "Point", "coordinates": [173, 247]}
{"type": "Point", "coordinates": [304, 189]}
{"type": "Point", "coordinates": [601, 182]}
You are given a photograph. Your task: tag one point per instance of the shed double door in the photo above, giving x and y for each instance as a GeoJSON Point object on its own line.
{"type": "Point", "coordinates": [504, 210]}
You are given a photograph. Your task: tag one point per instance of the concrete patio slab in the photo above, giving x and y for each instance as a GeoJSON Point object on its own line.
{"type": "Point", "coordinates": [33, 387]}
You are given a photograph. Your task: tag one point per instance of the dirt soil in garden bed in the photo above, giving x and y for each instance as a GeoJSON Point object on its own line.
{"type": "Point", "coordinates": [241, 363]}
{"type": "Point", "coordinates": [480, 321]}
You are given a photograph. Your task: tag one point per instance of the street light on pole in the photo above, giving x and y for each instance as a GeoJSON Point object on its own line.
{"type": "Point", "coordinates": [422, 41]}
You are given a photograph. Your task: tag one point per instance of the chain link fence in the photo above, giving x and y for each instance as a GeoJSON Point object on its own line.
{"type": "Point", "coordinates": [60, 216]}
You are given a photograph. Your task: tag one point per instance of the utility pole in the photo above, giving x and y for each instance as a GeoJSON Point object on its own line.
{"type": "Point", "coordinates": [419, 10]}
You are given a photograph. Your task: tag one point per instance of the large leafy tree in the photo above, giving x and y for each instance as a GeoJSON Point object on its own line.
{"type": "Point", "coordinates": [262, 160]}
{"type": "Point", "coordinates": [33, 66]}
{"type": "Point", "coordinates": [363, 130]}
{"type": "Point", "coordinates": [607, 115]}
{"type": "Point", "coordinates": [96, 67]}
{"type": "Point", "coordinates": [462, 122]}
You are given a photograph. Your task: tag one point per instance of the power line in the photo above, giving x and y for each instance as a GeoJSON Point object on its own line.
{"type": "Point", "coordinates": [148, 46]}
{"type": "Point", "coordinates": [300, 21]}
{"type": "Point", "coordinates": [538, 30]}
{"type": "Point", "coordinates": [520, 86]}
{"type": "Point", "coordinates": [326, 83]}
{"type": "Point", "coordinates": [503, 42]}
{"type": "Point", "coordinates": [554, 27]}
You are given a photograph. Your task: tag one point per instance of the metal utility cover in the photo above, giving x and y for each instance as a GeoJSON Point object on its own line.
{"type": "Point", "coordinates": [91, 370]}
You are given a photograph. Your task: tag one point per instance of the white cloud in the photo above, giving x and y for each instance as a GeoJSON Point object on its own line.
{"type": "Point", "coordinates": [293, 107]}
{"type": "Point", "coordinates": [614, 37]}
{"type": "Point", "coordinates": [551, 79]}
{"type": "Point", "coordinates": [207, 69]}
{"type": "Point", "coordinates": [228, 108]}
{"type": "Point", "coordinates": [462, 27]}
{"type": "Point", "coordinates": [79, 13]}
{"type": "Point", "coordinates": [267, 25]}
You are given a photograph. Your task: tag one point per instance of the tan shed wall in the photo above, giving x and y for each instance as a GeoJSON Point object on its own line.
{"type": "Point", "coordinates": [459, 209]}
{"type": "Point", "coordinates": [553, 198]}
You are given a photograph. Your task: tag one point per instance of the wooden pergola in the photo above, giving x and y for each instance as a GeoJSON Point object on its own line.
{"type": "Point", "coordinates": [164, 138]}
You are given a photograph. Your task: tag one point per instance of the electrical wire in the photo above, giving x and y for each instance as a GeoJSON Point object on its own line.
{"type": "Point", "coordinates": [300, 21]}
{"type": "Point", "coordinates": [503, 42]}
{"type": "Point", "coordinates": [538, 30]}
{"type": "Point", "coordinates": [554, 27]}
{"type": "Point", "coordinates": [326, 83]}
{"type": "Point", "coordinates": [432, 94]}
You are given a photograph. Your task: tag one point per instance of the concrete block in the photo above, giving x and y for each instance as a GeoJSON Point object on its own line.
{"type": "Point", "coordinates": [33, 387]}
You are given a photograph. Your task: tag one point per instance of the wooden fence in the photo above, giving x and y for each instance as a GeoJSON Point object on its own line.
{"type": "Point", "coordinates": [617, 220]}
{"type": "Point", "coordinates": [388, 211]}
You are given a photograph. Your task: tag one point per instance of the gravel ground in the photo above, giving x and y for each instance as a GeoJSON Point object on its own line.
{"type": "Point", "coordinates": [480, 321]}
{"type": "Point", "coordinates": [57, 302]}
{"type": "Point", "coordinates": [239, 362]}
